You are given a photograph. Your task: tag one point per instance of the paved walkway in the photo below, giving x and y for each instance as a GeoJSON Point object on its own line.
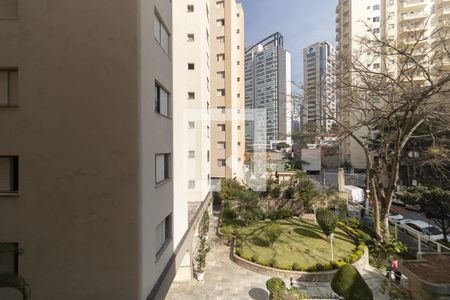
{"type": "Point", "coordinates": [226, 280]}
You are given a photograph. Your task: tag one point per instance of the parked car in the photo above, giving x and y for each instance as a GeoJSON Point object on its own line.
{"type": "Point", "coordinates": [424, 229]}
{"type": "Point", "coordinates": [395, 216]}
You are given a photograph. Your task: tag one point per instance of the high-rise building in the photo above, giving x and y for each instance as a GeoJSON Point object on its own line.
{"type": "Point", "coordinates": [268, 87]}
{"type": "Point", "coordinates": [91, 187]}
{"type": "Point", "coordinates": [402, 22]}
{"type": "Point", "coordinates": [353, 19]}
{"type": "Point", "coordinates": [227, 89]}
{"type": "Point", "coordinates": [191, 121]}
{"type": "Point", "coordinates": [319, 69]}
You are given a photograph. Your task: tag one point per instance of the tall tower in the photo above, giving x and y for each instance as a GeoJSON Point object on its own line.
{"type": "Point", "coordinates": [227, 89]}
{"type": "Point", "coordinates": [268, 86]}
{"type": "Point", "coordinates": [319, 69]}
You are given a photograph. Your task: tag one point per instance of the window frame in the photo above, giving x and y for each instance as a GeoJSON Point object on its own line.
{"type": "Point", "coordinates": [14, 179]}
{"type": "Point", "coordinates": [158, 88]}
{"type": "Point", "coordinates": [10, 87]}
{"type": "Point", "coordinates": [167, 168]}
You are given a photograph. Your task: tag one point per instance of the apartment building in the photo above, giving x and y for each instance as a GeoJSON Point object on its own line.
{"type": "Point", "coordinates": [401, 22]}
{"type": "Point", "coordinates": [86, 166]}
{"type": "Point", "coordinates": [192, 124]}
{"type": "Point", "coordinates": [227, 89]}
{"type": "Point", "coordinates": [267, 87]}
{"type": "Point", "coordinates": [355, 19]}
{"type": "Point", "coordinates": [319, 69]}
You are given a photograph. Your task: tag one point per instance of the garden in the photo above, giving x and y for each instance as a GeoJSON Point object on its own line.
{"type": "Point", "coordinates": [290, 226]}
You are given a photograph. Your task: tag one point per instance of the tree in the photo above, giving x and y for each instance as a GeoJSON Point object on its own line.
{"type": "Point", "coordinates": [230, 189]}
{"type": "Point", "coordinates": [382, 109]}
{"type": "Point", "coordinates": [247, 205]}
{"type": "Point", "coordinates": [348, 283]}
{"type": "Point", "coordinates": [306, 192]}
{"type": "Point", "coordinates": [327, 221]}
{"type": "Point", "coordinates": [273, 233]}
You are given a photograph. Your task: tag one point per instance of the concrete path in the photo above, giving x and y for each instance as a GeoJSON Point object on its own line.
{"type": "Point", "coordinates": [226, 280]}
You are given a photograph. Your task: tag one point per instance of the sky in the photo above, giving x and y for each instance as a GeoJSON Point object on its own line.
{"type": "Point", "coordinates": [301, 22]}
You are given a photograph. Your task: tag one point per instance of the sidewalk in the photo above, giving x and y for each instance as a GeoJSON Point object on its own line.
{"type": "Point", "coordinates": [226, 280]}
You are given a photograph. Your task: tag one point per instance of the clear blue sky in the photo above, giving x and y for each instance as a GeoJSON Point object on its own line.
{"type": "Point", "coordinates": [301, 22]}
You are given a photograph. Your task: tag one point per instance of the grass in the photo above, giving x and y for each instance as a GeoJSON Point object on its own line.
{"type": "Point", "coordinates": [301, 242]}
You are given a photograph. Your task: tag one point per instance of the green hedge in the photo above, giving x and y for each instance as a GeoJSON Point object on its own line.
{"type": "Point", "coordinates": [348, 283]}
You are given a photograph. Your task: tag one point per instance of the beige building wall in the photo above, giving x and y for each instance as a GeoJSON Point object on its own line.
{"type": "Point", "coordinates": [86, 133]}
{"type": "Point", "coordinates": [227, 89]}
{"type": "Point", "coordinates": [191, 138]}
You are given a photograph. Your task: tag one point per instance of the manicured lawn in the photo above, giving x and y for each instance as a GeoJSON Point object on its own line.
{"type": "Point", "coordinates": [301, 242]}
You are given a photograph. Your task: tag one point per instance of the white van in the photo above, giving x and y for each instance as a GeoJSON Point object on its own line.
{"type": "Point", "coordinates": [355, 194]}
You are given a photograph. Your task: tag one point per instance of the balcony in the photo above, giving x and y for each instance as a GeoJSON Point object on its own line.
{"type": "Point", "coordinates": [414, 16]}
{"type": "Point", "coordinates": [413, 4]}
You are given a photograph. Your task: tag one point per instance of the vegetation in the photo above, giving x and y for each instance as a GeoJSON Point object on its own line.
{"type": "Point", "coordinates": [200, 259]}
{"type": "Point", "coordinates": [278, 290]}
{"type": "Point", "coordinates": [327, 221]}
{"type": "Point", "coordinates": [348, 283]}
{"type": "Point", "coordinates": [300, 246]}
{"type": "Point", "coordinates": [435, 201]}
{"type": "Point", "coordinates": [395, 110]}
{"type": "Point", "coordinates": [273, 233]}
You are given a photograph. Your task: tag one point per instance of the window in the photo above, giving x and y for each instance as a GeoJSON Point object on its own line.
{"type": "Point", "coordinates": [376, 7]}
{"type": "Point", "coordinates": [391, 26]}
{"type": "Point", "coordinates": [221, 145]}
{"type": "Point", "coordinates": [238, 47]}
{"type": "Point", "coordinates": [163, 234]}
{"type": "Point", "coordinates": [190, 8]}
{"type": "Point", "coordinates": [391, 2]}
{"type": "Point", "coordinates": [162, 167]}
{"type": "Point", "coordinates": [238, 63]}
{"type": "Point", "coordinates": [190, 37]}
{"type": "Point", "coordinates": [8, 87]}
{"type": "Point", "coordinates": [191, 184]}
{"type": "Point", "coordinates": [221, 109]}
{"type": "Point", "coordinates": [220, 127]}
{"type": "Point", "coordinates": [221, 162]}
{"type": "Point", "coordinates": [376, 66]}
{"type": "Point", "coordinates": [8, 9]}
{"type": "Point", "coordinates": [220, 22]}
{"type": "Point", "coordinates": [238, 143]}
{"type": "Point", "coordinates": [238, 31]}
{"type": "Point", "coordinates": [220, 4]}
{"type": "Point", "coordinates": [162, 100]}
{"type": "Point", "coordinates": [221, 57]}
{"type": "Point", "coordinates": [239, 95]}
{"type": "Point", "coordinates": [376, 30]}
{"type": "Point", "coordinates": [221, 75]}
{"type": "Point", "coordinates": [376, 19]}
{"type": "Point", "coordinates": [238, 79]}
{"type": "Point", "coordinates": [207, 155]}
{"type": "Point", "coordinates": [220, 92]}
{"type": "Point", "coordinates": [9, 257]}
{"type": "Point", "coordinates": [221, 39]}
{"type": "Point", "coordinates": [9, 174]}
{"type": "Point", "coordinates": [191, 154]}
{"type": "Point", "coordinates": [191, 95]}
{"type": "Point", "coordinates": [391, 14]}
{"type": "Point", "coordinates": [161, 34]}
{"type": "Point", "coordinates": [191, 66]}
{"type": "Point", "coordinates": [239, 127]}
{"type": "Point", "coordinates": [191, 124]}
{"type": "Point", "coordinates": [208, 131]}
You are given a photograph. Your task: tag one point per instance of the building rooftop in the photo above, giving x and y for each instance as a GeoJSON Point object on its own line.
{"type": "Point", "coordinates": [433, 268]}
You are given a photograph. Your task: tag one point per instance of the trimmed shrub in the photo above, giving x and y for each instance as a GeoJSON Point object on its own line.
{"type": "Point", "coordinates": [359, 253]}
{"type": "Point", "coordinates": [327, 267]}
{"type": "Point", "coordinates": [296, 267]}
{"type": "Point", "coordinates": [340, 263]}
{"type": "Point", "coordinates": [327, 220]}
{"type": "Point", "coordinates": [354, 223]}
{"type": "Point", "coordinates": [348, 283]}
{"type": "Point", "coordinates": [319, 267]}
{"type": "Point", "coordinates": [273, 263]}
{"type": "Point", "coordinates": [238, 252]}
{"type": "Point", "coordinates": [273, 233]}
{"type": "Point", "coordinates": [275, 284]}
{"type": "Point", "coordinates": [255, 258]}
{"type": "Point", "coordinates": [246, 256]}
{"type": "Point", "coordinates": [312, 269]}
